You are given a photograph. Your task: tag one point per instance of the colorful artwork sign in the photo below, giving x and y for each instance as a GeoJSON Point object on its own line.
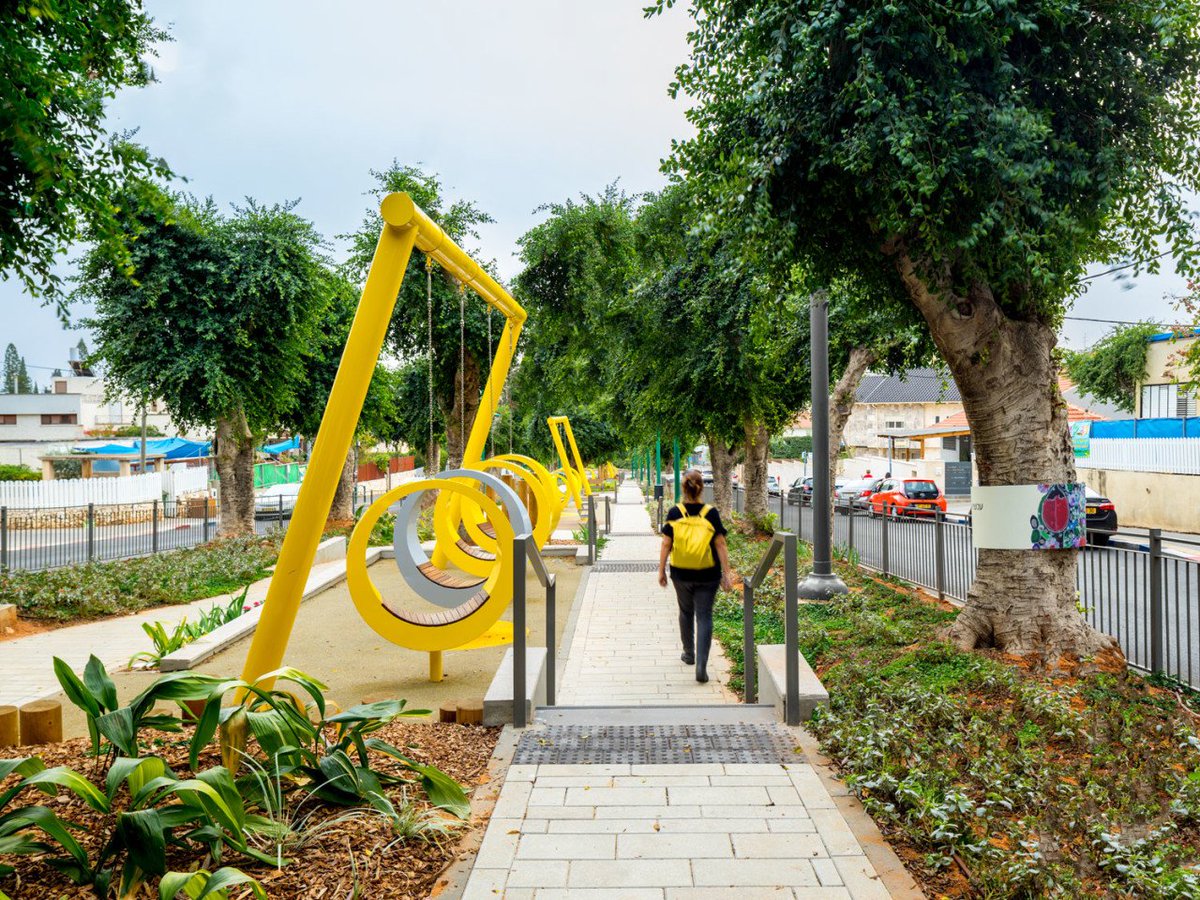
{"type": "Point", "coordinates": [1081, 439]}
{"type": "Point", "coordinates": [1029, 517]}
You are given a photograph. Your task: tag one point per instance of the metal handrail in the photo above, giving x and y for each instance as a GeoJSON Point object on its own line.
{"type": "Point", "coordinates": [526, 552]}
{"type": "Point", "coordinates": [785, 541]}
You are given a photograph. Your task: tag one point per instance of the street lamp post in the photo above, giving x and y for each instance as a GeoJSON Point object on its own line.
{"type": "Point", "coordinates": [821, 583]}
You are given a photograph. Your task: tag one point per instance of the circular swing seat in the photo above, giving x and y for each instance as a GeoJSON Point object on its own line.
{"type": "Point", "coordinates": [470, 607]}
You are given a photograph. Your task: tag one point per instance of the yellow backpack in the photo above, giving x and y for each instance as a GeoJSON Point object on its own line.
{"type": "Point", "coordinates": [691, 545]}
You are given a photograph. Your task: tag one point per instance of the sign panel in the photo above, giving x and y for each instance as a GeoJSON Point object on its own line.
{"type": "Point", "coordinates": [958, 479]}
{"type": "Point", "coordinates": [1081, 439]}
{"type": "Point", "coordinates": [1029, 517]}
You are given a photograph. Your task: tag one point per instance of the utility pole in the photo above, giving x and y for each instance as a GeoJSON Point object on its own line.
{"type": "Point", "coordinates": [822, 583]}
{"type": "Point", "coordinates": [142, 455]}
{"type": "Point", "coordinates": [677, 494]}
{"type": "Point", "coordinates": [658, 459]}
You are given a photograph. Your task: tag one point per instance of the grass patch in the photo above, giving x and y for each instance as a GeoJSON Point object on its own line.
{"type": "Point", "coordinates": [98, 590]}
{"type": "Point", "coordinates": [992, 779]}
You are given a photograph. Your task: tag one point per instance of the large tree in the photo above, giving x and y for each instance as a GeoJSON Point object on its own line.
{"type": "Point", "coordinates": [62, 61]}
{"type": "Point", "coordinates": [213, 318]}
{"type": "Point", "coordinates": [982, 155]}
{"type": "Point", "coordinates": [462, 352]}
{"type": "Point", "coordinates": [12, 370]}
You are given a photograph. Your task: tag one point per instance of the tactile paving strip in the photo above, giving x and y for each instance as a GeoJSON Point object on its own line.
{"type": "Point", "coordinates": [609, 567]}
{"type": "Point", "coordinates": [656, 744]}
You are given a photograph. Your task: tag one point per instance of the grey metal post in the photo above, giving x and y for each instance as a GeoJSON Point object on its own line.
{"type": "Point", "coordinates": [749, 662]}
{"type": "Point", "coordinates": [154, 527]}
{"type": "Point", "coordinates": [660, 513]}
{"type": "Point", "coordinates": [551, 642]}
{"type": "Point", "coordinates": [205, 530]}
{"type": "Point", "coordinates": [607, 514]}
{"type": "Point", "coordinates": [782, 504]}
{"type": "Point", "coordinates": [822, 583]}
{"type": "Point", "coordinates": [3, 537]}
{"type": "Point", "coordinates": [520, 559]}
{"type": "Point", "coordinates": [280, 518]}
{"type": "Point", "coordinates": [591, 529]}
{"type": "Point", "coordinates": [883, 540]}
{"type": "Point", "coordinates": [850, 529]}
{"type": "Point", "coordinates": [791, 629]}
{"type": "Point", "coordinates": [91, 532]}
{"type": "Point", "coordinates": [1157, 604]}
{"type": "Point", "coordinates": [940, 553]}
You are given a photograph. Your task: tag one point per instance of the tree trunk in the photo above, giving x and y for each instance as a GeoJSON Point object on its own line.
{"type": "Point", "coordinates": [1022, 601]}
{"type": "Point", "coordinates": [722, 468]}
{"type": "Point", "coordinates": [342, 510]}
{"type": "Point", "coordinates": [459, 417]}
{"type": "Point", "coordinates": [235, 469]}
{"type": "Point", "coordinates": [841, 405]}
{"type": "Point", "coordinates": [758, 445]}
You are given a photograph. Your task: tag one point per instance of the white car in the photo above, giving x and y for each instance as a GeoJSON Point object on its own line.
{"type": "Point", "coordinates": [277, 501]}
{"type": "Point", "coordinates": [774, 486]}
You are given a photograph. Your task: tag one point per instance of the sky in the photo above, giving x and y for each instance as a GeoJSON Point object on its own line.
{"type": "Point", "coordinates": [514, 104]}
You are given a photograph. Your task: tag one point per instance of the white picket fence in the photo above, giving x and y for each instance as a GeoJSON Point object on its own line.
{"type": "Point", "coordinates": [1174, 456]}
{"type": "Point", "coordinates": [102, 491]}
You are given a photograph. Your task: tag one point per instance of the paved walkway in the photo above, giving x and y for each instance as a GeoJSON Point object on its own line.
{"type": "Point", "coordinates": [624, 823]}
{"type": "Point", "coordinates": [27, 664]}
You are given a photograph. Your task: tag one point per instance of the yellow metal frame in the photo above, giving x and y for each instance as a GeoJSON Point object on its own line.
{"type": "Point", "coordinates": [405, 226]}
{"type": "Point", "coordinates": [577, 478]}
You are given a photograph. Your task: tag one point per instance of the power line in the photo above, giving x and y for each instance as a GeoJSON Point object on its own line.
{"type": "Point", "coordinates": [1113, 321]}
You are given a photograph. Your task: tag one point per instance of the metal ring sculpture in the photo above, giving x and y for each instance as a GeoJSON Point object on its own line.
{"type": "Point", "coordinates": [468, 608]}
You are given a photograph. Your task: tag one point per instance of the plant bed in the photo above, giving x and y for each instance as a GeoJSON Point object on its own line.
{"type": "Point", "coordinates": [990, 776]}
{"type": "Point", "coordinates": [353, 812]}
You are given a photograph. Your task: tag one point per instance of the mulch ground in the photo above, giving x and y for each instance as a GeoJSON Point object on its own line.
{"type": "Point", "coordinates": [354, 856]}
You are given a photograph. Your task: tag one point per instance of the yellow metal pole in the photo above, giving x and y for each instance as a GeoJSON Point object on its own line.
{"type": "Point", "coordinates": [363, 346]}
{"type": "Point", "coordinates": [435, 665]}
{"type": "Point", "coordinates": [568, 468]}
{"type": "Point", "coordinates": [587, 487]}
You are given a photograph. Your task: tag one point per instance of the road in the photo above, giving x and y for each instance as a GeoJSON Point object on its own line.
{"type": "Point", "coordinates": [1114, 582]}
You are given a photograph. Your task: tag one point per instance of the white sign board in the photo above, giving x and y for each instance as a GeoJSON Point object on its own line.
{"type": "Point", "coordinates": [1029, 516]}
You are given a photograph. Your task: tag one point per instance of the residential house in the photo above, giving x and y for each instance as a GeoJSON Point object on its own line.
{"type": "Point", "coordinates": [887, 407]}
{"type": "Point", "coordinates": [1168, 391]}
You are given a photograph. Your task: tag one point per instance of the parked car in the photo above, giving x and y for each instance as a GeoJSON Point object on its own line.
{"type": "Point", "coordinates": [774, 486]}
{"type": "Point", "coordinates": [907, 497]}
{"type": "Point", "coordinates": [1101, 518]}
{"type": "Point", "coordinates": [276, 502]}
{"type": "Point", "coordinates": [800, 491]}
{"type": "Point", "coordinates": [856, 493]}
{"type": "Point", "coordinates": [707, 475]}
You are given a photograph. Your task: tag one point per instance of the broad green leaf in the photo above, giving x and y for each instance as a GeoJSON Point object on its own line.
{"type": "Point", "coordinates": [137, 772]}
{"type": "Point", "coordinates": [25, 766]}
{"type": "Point", "coordinates": [200, 884]}
{"type": "Point", "coordinates": [74, 782]}
{"type": "Point", "coordinates": [227, 877]}
{"type": "Point", "coordinates": [203, 731]}
{"type": "Point", "coordinates": [442, 790]}
{"type": "Point", "coordinates": [77, 692]}
{"type": "Point", "coordinates": [95, 676]}
{"type": "Point", "coordinates": [119, 726]}
{"type": "Point", "coordinates": [42, 818]}
{"type": "Point", "coordinates": [141, 834]}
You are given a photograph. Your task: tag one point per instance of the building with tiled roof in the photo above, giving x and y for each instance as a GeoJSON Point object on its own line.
{"type": "Point", "coordinates": [920, 398]}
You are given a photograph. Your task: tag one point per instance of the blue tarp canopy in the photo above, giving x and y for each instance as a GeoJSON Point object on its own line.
{"type": "Point", "coordinates": [169, 448]}
{"type": "Point", "coordinates": [1147, 428]}
{"type": "Point", "coordinates": [282, 446]}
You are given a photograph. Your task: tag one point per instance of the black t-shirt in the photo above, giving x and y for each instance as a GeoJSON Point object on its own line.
{"type": "Point", "coordinates": [710, 574]}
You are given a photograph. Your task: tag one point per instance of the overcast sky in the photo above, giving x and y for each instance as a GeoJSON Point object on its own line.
{"type": "Point", "coordinates": [514, 104]}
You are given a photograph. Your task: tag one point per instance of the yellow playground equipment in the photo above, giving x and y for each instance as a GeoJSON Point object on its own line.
{"type": "Point", "coordinates": [478, 510]}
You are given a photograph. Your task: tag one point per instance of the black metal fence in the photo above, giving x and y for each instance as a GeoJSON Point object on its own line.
{"type": "Point", "coordinates": [1145, 595]}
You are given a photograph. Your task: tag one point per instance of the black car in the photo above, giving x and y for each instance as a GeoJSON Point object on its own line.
{"type": "Point", "coordinates": [1101, 518]}
{"type": "Point", "coordinates": [801, 491]}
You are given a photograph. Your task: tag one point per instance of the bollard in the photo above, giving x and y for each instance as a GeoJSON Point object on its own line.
{"type": "Point", "coordinates": [41, 722]}
{"type": "Point", "coordinates": [551, 639]}
{"type": "Point", "coordinates": [591, 527]}
{"type": "Point", "coordinates": [10, 728]}
{"type": "Point", "coordinates": [607, 514]}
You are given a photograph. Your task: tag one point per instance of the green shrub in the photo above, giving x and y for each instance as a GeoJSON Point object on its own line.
{"type": "Point", "coordinates": [791, 447]}
{"type": "Point", "coordinates": [19, 473]}
{"type": "Point", "coordinates": [115, 588]}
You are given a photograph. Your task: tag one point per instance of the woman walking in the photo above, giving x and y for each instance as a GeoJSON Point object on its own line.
{"type": "Point", "coordinates": [693, 539]}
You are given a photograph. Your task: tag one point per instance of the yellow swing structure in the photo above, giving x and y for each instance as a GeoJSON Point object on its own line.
{"type": "Point", "coordinates": [476, 509]}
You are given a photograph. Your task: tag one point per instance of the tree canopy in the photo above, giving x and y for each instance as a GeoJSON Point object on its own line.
{"type": "Point", "coordinates": [62, 172]}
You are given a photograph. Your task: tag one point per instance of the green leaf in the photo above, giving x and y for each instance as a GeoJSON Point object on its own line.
{"type": "Point", "coordinates": [137, 772]}
{"type": "Point", "coordinates": [205, 728]}
{"type": "Point", "coordinates": [120, 727]}
{"type": "Point", "coordinates": [42, 818]}
{"type": "Point", "coordinates": [72, 781]}
{"type": "Point", "coordinates": [141, 833]}
{"type": "Point", "coordinates": [95, 676]}
{"type": "Point", "coordinates": [77, 692]}
{"type": "Point", "coordinates": [442, 790]}
{"type": "Point", "coordinates": [25, 766]}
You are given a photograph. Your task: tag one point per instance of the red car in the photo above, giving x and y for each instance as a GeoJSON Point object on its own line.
{"type": "Point", "coordinates": [907, 497]}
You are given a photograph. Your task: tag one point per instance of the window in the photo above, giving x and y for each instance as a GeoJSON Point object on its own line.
{"type": "Point", "coordinates": [1161, 401]}
{"type": "Point", "coordinates": [8, 419]}
{"type": "Point", "coordinates": [59, 419]}
{"type": "Point", "coordinates": [60, 387]}
{"type": "Point", "coordinates": [894, 424]}
{"type": "Point", "coordinates": [950, 443]}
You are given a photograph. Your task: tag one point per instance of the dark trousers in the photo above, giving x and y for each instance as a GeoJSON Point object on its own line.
{"type": "Point", "coordinates": [695, 617]}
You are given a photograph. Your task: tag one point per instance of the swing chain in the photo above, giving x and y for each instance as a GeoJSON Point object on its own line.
{"type": "Point", "coordinates": [462, 373]}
